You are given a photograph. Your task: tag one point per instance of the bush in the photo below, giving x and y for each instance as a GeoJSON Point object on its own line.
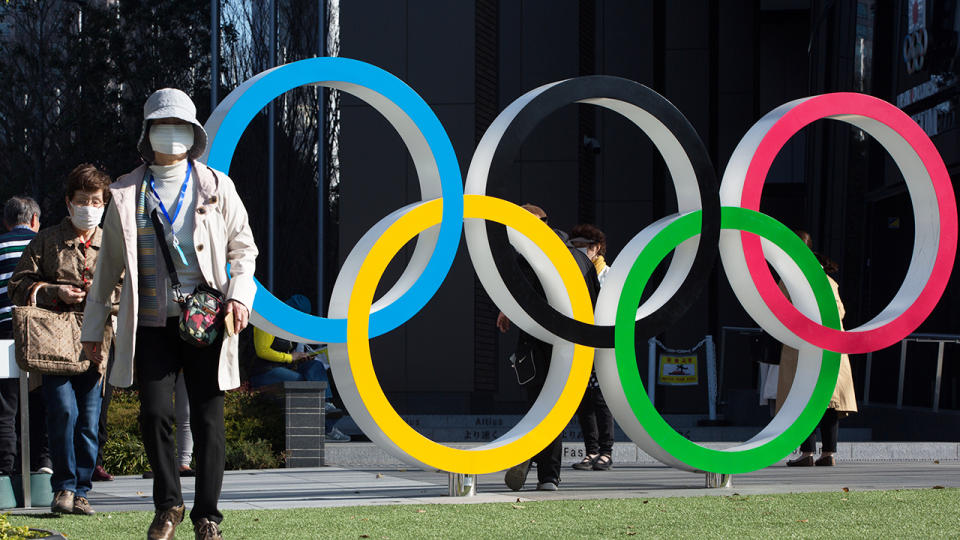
{"type": "Point", "coordinates": [253, 422]}
{"type": "Point", "coordinates": [9, 532]}
{"type": "Point", "coordinates": [245, 454]}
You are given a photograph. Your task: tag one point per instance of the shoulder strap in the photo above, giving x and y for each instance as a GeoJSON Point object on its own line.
{"type": "Point", "coordinates": [165, 250]}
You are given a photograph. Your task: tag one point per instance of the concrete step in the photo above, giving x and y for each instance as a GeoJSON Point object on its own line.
{"type": "Point", "coordinates": [369, 455]}
{"type": "Point", "coordinates": [469, 428]}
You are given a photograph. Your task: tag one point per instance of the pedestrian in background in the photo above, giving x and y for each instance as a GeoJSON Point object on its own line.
{"type": "Point", "coordinates": [21, 218]}
{"type": "Point", "coordinates": [55, 273]}
{"type": "Point", "coordinates": [842, 403]}
{"type": "Point", "coordinates": [596, 420]}
{"type": "Point", "coordinates": [549, 459]}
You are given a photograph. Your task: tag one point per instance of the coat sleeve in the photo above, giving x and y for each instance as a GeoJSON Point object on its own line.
{"type": "Point", "coordinates": [241, 249]}
{"type": "Point", "coordinates": [102, 294]}
{"type": "Point", "coordinates": [262, 342]}
{"type": "Point", "coordinates": [28, 274]}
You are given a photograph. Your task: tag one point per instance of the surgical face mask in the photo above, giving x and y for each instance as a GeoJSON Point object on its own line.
{"type": "Point", "coordinates": [171, 138]}
{"type": "Point", "coordinates": [85, 218]}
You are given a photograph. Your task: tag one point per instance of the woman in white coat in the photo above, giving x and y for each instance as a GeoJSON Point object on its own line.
{"type": "Point", "coordinates": [205, 228]}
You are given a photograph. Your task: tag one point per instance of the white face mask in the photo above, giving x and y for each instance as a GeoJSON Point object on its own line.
{"type": "Point", "coordinates": [171, 138]}
{"type": "Point", "coordinates": [85, 218]}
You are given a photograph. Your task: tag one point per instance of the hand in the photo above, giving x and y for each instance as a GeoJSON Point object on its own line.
{"type": "Point", "coordinates": [503, 323]}
{"type": "Point", "coordinates": [91, 349]}
{"type": "Point", "coordinates": [68, 294]}
{"type": "Point", "coordinates": [299, 357]}
{"type": "Point", "coordinates": [240, 314]}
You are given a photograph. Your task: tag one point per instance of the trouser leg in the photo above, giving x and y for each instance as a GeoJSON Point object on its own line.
{"type": "Point", "coordinates": [104, 409]}
{"type": "Point", "coordinates": [39, 445]}
{"type": "Point", "coordinates": [548, 460]}
{"type": "Point", "coordinates": [830, 430]}
{"type": "Point", "coordinates": [61, 423]}
{"type": "Point", "coordinates": [9, 408]}
{"type": "Point", "coordinates": [810, 444]}
{"type": "Point", "coordinates": [184, 434]}
{"type": "Point", "coordinates": [604, 422]}
{"type": "Point", "coordinates": [588, 423]}
{"type": "Point", "coordinates": [206, 422]}
{"type": "Point", "coordinates": [87, 390]}
{"type": "Point", "coordinates": [157, 362]}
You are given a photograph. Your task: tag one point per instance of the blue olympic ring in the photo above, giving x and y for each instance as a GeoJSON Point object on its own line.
{"type": "Point", "coordinates": [357, 78]}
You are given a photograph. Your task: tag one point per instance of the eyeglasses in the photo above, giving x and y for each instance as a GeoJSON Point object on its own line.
{"type": "Point", "coordinates": [83, 201]}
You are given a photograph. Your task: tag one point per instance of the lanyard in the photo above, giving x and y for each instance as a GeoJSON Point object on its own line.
{"type": "Point", "coordinates": [183, 191]}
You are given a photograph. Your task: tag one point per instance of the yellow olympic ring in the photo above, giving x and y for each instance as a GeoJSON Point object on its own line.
{"type": "Point", "coordinates": [505, 451]}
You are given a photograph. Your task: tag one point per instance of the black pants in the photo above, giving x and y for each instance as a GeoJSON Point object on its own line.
{"type": "Point", "coordinates": [829, 433]}
{"type": "Point", "coordinates": [596, 423]}
{"type": "Point", "coordinates": [548, 460]}
{"type": "Point", "coordinates": [10, 427]}
{"type": "Point", "coordinates": [160, 355]}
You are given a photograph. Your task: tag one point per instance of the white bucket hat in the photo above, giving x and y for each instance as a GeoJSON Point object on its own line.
{"type": "Point", "coordinates": [171, 103]}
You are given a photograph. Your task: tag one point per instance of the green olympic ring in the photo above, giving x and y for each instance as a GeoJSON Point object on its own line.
{"type": "Point", "coordinates": [778, 439]}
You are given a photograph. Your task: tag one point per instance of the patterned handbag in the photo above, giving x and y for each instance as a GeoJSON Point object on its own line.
{"type": "Point", "coordinates": [48, 342]}
{"type": "Point", "coordinates": [201, 315]}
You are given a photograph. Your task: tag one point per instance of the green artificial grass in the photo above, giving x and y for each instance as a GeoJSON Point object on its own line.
{"type": "Point", "coordinates": [929, 513]}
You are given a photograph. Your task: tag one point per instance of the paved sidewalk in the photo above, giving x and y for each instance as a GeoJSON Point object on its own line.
{"type": "Point", "coordinates": [333, 486]}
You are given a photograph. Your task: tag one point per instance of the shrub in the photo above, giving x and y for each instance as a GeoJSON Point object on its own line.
{"type": "Point", "coordinates": [253, 422]}
{"type": "Point", "coordinates": [245, 454]}
{"type": "Point", "coordinates": [9, 532]}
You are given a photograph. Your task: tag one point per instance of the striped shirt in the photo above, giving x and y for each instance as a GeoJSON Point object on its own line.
{"type": "Point", "coordinates": [12, 245]}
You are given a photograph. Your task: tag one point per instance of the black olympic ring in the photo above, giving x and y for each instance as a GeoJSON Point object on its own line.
{"type": "Point", "coordinates": [625, 97]}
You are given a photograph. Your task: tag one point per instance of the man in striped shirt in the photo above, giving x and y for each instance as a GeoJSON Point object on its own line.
{"type": "Point", "coordinates": [21, 217]}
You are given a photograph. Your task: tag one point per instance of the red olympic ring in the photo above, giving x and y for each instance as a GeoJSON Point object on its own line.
{"type": "Point", "coordinates": [848, 107]}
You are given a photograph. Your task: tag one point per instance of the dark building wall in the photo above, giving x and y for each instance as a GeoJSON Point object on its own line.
{"type": "Point", "coordinates": [723, 64]}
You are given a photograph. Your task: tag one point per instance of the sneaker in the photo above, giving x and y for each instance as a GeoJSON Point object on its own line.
{"type": "Point", "coordinates": [517, 476]}
{"type": "Point", "coordinates": [204, 529]}
{"type": "Point", "coordinates": [82, 506]}
{"type": "Point", "coordinates": [329, 409]}
{"type": "Point", "coordinates": [165, 523]}
{"type": "Point", "coordinates": [62, 502]}
{"type": "Point", "coordinates": [187, 472]}
{"type": "Point", "coordinates": [335, 435]}
{"type": "Point", "coordinates": [101, 475]}
{"type": "Point", "coordinates": [45, 470]}
{"type": "Point", "coordinates": [547, 486]}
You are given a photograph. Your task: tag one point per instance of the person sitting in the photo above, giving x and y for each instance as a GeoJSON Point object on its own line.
{"type": "Point", "coordinates": [280, 360]}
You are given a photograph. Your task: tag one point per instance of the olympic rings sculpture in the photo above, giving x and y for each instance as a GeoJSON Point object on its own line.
{"type": "Point", "coordinates": [709, 220]}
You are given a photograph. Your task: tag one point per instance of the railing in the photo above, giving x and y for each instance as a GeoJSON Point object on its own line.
{"type": "Point", "coordinates": [711, 358]}
{"type": "Point", "coordinates": [10, 370]}
{"type": "Point", "coordinates": [940, 339]}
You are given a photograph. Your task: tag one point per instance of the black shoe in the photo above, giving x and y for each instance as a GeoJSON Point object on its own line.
{"type": "Point", "coordinates": [603, 463]}
{"type": "Point", "coordinates": [806, 461]}
{"type": "Point", "coordinates": [826, 461]}
{"type": "Point", "coordinates": [586, 463]}
{"type": "Point", "coordinates": [517, 475]}
{"type": "Point", "coordinates": [148, 475]}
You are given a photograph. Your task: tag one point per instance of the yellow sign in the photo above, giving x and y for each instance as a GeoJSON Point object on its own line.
{"type": "Point", "coordinates": [678, 370]}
